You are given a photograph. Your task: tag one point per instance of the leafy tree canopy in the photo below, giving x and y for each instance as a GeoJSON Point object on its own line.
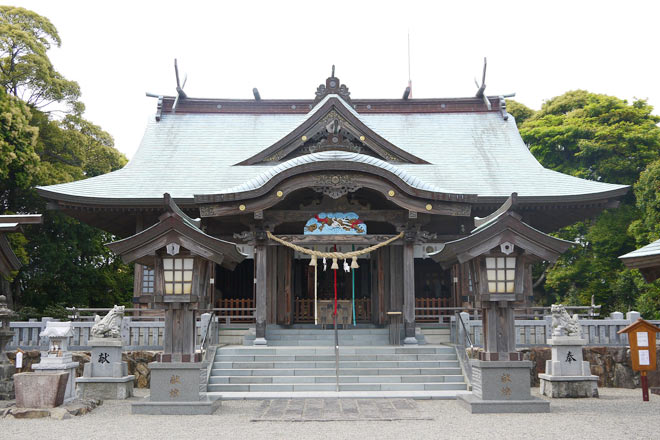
{"type": "Point", "coordinates": [604, 138]}
{"type": "Point", "coordinates": [18, 160]}
{"type": "Point", "coordinates": [68, 263]}
{"type": "Point", "coordinates": [647, 194]}
{"type": "Point", "coordinates": [519, 111]}
{"type": "Point", "coordinates": [25, 69]}
{"type": "Point", "coordinates": [594, 136]}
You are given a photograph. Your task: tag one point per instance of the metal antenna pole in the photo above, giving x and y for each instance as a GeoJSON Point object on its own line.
{"type": "Point", "coordinates": [409, 77]}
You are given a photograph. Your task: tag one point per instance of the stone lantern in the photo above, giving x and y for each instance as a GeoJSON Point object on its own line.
{"type": "Point", "coordinates": [500, 253]}
{"type": "Point", "coordinates": [183, 259]}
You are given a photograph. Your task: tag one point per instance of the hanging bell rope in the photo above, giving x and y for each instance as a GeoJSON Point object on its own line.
{"type": "Point", "coordinates": [334, 255]}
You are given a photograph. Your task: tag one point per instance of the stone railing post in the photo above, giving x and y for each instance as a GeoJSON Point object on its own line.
{"type": "Point", "coordinates": [616, 315]}
{"type": "Point", "coordinates": [125, 331]}
{"type": "Point", "coordinates": [633, 316]}
{"type": "Point", "coordinates": [463, 327]}
{"type": "Point", "coordinates": [204, 322]}
{"type": "Point", "coordinates": [548, 328]}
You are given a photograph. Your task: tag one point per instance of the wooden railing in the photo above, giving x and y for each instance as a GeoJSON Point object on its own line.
{"type": "Point", "coordinates": [303, 310]}
{"type": "Point", "coordinates": [235, 310]}
{"type": "Point", "coordinates": [433, 309]}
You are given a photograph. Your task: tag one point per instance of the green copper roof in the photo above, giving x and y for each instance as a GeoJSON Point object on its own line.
{"type": "Point", "coordinates": [467, 153]}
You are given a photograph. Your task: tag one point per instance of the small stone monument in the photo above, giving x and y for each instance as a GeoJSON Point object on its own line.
{"type": "Point", "coordinates": [57, 358]}
{"type": "Point", "coordinates": [106, 376]}
{"type": "Point", "coordinates": [567, 375]}
{"type": "Point", "coordinates": [7, 369]}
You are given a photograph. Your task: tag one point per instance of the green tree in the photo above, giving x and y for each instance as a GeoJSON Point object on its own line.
{"type": "Point", "coordinates": [593, 136]}
{"type": "Point", "coordinates": [68, 263]}
{"type": "Point", "coordinates": [519, 111]}
{"type": "Point", "coordinates": [647, 194]}
{"type": "Point", "coordinates": [18, 160]}
{"type": "Point", "coordinates": [601, 138]}
{"type": "Point", "coordinates": [25, 69]}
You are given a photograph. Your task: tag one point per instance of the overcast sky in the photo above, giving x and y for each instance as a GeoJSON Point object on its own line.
{"type": "Point", "coordinates": [118, 50]}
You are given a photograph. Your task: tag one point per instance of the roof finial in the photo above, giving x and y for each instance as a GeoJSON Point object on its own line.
{"type": "Point", "coordinates": [333, 71]}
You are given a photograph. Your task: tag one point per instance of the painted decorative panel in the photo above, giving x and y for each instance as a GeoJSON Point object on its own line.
{"type": "Point", "coordinates": [335, 223]}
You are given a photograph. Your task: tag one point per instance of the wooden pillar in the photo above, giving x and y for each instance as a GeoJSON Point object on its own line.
{"type": "Point", "coordinates": [260, 315]}
{"type": "Point", "coordinates": [138, 269]}
{"type": "Point", "coordinates": [409, 292]}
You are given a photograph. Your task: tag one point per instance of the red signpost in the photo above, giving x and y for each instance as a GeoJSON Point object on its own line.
{"type": "Point", "coordinates": [641, 337]}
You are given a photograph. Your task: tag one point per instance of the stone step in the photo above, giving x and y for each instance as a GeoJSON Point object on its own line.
{"type": "Point", "coordinates": [279, 387]}
{"type": "Point", "coordinates": [418, 395]}
{"type": "Point", "coordinates": [331, 357]}
{"type": "Point", "coordinates": [366, 338]}
{"type": "Point", "coordinates": [350, 331]}
{"type": "Point", "coordinates": [331, 364]}
{"type": "Point", "coordinates": [331, 379]}
{"type": "Point", "coordinates": [361, 350]}
{"type": "Point", "coordinates": [331, 371]}
{"type": "Point", "coordinates": [328, 343]}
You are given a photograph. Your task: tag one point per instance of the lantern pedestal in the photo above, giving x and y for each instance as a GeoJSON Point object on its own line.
{"type": "Point", "coordinates": [567, 374]}
{"type": "Point", "coordinates": [501, 387]}
{"type": "Point", "coordinates": [7, 371]}
{"type": "Point", "coordinates": [105, 376]}
{"type": "Point", "coordinates": [175, 391]}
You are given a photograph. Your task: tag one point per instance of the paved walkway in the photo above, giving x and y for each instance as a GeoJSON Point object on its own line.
{"type": "Point", "coordinates": [334, 410]}
{"type": "Point", "coordinates": [618, 414]}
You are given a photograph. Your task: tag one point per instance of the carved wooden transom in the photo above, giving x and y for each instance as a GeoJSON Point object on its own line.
{"type": "Point", "coordinates": [334, 185]}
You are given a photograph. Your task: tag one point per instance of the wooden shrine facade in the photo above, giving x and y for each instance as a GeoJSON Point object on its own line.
{"type": "Point", "coordinates": [422, 167]}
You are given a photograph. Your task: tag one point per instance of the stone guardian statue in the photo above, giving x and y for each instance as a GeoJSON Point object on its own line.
{"type": "Point", "coordinates": [110, 325]}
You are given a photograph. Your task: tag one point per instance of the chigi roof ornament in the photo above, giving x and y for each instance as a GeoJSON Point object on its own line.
{"type": "Point", "coordinates": [332, 86]}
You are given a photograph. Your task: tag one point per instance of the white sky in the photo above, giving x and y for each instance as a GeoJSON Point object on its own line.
{"type": "Point", "coordinates": [118, 50]}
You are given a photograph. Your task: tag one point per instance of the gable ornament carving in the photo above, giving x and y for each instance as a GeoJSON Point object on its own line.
{"type": "Point", "coordinates": [335, 185]}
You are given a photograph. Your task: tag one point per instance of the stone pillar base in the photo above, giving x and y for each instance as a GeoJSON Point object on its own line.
{"type": "Point", "coordinates": [479, 406]}
{"type": "Point", "coordinates": [105, 388]}
{"type": "Point", "coordinates": [201, 407]}
{"type": "Point", "coordinates": [568, 386]}
{"type": "Point", "coordinates": [7, 371]}
{"type": "Point", "coordinates": [7, 390]}
{"type": "Point", "coordinates": [67, 367]}
{"type": "Point", "coordinates": [501, 387]}
{"type": "Point", "coordinates": [260, 341]}
{"type": "Point", "coordinates": [175, 390]}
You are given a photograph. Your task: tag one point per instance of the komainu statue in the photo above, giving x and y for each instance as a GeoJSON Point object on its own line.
{"type": "Point", "coordinates": [110, 325]}
{"type": "Point", "coordinates": [563, 323]}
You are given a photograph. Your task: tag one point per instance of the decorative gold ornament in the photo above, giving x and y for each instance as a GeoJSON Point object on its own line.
{"type": "Point", "coordinates": [304, 138]}
{"type": "Point", "coordinates": [280, 194]}
{"type": "Point", "coordinates": [362, 138]}
{"type": "Point", "coordinates": [241, 207]}
{"type": "Point", "coordinates": [391, 193]}
{"type": "Point", "coordinates": [429, 207]}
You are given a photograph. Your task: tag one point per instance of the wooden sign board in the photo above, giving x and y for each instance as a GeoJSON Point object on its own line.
{"type": "Point", "coordinates": [641, 337]}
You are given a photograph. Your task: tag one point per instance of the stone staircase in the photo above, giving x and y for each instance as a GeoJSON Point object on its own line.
{"type": "Point", "coordinates": [313, 336]}
{"type": "Point", "coordinates": [372, 370]}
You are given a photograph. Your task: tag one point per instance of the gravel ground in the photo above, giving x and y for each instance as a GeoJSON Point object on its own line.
{"type": "Point", "coordinates": [617, 414]}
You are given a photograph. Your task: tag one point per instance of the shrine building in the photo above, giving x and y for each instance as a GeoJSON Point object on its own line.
{"type": "Point", "coordinates": [329, 174]}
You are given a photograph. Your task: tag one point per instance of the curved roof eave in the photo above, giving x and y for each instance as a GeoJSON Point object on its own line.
{"type": "Point", "coordinates": [256, 185]}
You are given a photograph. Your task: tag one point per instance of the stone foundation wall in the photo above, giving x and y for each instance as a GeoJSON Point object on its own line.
{"type": "Point", "coordinates": [612, 365]}
{"type": "Point", "coordinates": [137, 363]}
